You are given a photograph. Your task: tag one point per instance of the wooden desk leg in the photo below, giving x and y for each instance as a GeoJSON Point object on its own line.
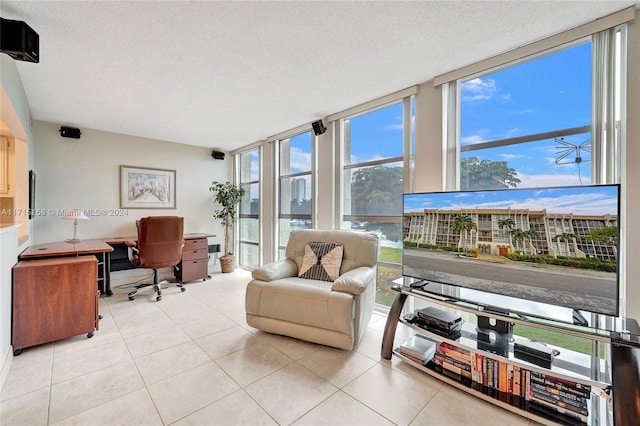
{"type": "Point", "coordinates": [392, 323]}
{"type": "Point", "coordinates": [626, 385]}
{"type": "Point", "coordinates": [107, 274]}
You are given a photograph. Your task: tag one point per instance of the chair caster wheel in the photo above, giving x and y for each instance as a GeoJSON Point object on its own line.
{"type": "Point", "coordinates": [132, 297]}
{"type": "Point", "coordinates": [159, 298]}
{"type": "Point", "coordinates": [89, 335]}
{"type": "Point", "coordinates": [182, 289]}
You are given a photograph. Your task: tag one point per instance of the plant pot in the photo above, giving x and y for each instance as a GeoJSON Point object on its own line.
{"type": "Point", "coordinates": [227, 263]}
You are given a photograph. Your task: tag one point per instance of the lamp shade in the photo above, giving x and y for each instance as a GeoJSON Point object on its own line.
{"type": "Point", "coordinates": [75, 215]}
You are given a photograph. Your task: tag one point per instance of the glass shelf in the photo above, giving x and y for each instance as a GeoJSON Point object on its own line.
{"type": "Point", "coordinates": [518, 311]}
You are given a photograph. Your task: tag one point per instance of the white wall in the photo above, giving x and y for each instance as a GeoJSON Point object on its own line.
{"type": "Point", "coordinates": [84, 174]}
{"type": "Point", "coordinates": [14, 109]}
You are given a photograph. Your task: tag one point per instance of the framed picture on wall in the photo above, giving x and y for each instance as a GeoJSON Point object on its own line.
{"type": "Point", "coordinates": [147, 188]}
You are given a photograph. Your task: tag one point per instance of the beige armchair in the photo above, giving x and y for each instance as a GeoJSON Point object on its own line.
{"type": "Point", "coordinates": [333, 313]}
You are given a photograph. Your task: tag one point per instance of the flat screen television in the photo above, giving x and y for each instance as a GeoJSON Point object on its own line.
{"type": "Point", "coordinates": [557, 246]}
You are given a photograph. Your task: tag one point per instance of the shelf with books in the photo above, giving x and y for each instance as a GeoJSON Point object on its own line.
{"type": "Point", "coordinates": [485, 364]}
{"type": "Point", "coordinates": [566, 364]}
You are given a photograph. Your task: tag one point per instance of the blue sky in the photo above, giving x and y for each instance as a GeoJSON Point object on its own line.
{"type": "Point", "coordinates": [550, 93]}
{"type": "Point", "coordinates": [580, 200]}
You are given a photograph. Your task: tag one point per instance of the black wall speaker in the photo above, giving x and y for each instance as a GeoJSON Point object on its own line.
{"type": "Point", "coordinates": [19, 41]}
{"type": "Point", "coordinates": [217, 155]}
{"type": "Point", "coordinates": [318, 127]}
{"type": "Point", "coordinates": [70, 132]}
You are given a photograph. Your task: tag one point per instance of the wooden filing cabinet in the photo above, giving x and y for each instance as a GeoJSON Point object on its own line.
{"type": "Point", "coordinates": [195, 260]}
{"type": "Point", "coordinates": [54, 298]}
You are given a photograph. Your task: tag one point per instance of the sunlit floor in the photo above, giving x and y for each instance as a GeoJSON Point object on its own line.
{"type": "Point", "coordinates": [191, 359]}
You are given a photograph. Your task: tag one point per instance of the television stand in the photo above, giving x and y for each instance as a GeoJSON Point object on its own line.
{"type": "Point", "coordinates": [613, 381]}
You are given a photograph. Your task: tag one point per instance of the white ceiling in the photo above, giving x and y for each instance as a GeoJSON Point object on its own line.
{"type": "Point", "coordinates": [226, 74]}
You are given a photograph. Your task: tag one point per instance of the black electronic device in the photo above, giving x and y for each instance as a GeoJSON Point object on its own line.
{"type": "Point", "coordinates": [533, 352]}
{"type": "Point", "coordinates": [217, 155]}
{"type": "Point", "coordinates": [19, 40]}
{"type": "Point", "coordinates": [318, 127]}
{"type": "Point", "coordinates": [70, 132]}
{"type": "Point", "coordinates": [439, 317]}
{"type": "Point", "coordinates": [472, 244]}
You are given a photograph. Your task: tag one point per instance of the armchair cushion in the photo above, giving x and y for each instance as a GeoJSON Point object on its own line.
{"type": "Point", "coordinates": [274, 271]}
{"type": "Point", "coordinates": [355, 281]}
{"type": "Point", "coordinates": [321, 261]}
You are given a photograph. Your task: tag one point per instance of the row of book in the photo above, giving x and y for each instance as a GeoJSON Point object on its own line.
{"type": "Point", "coordinates": [512, 383]}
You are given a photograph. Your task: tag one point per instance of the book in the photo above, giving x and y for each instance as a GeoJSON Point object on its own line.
{"type": "Point", "coordinates": [557, 395]}
{"type": "Point", "coordinates": [568, 386]}
{"type": "Point", "coordinates": [580, 410]}
{"type": "Point", "coordinates": [419, 347]}
{"type": "Point", "coordinates": [537, 400]}
{"type": "Point", "coordinates": [452, 365]}
{"type": "Point", "coordinates": [454, 351]}
{"type": "Point", "coordinates": [502, 376]}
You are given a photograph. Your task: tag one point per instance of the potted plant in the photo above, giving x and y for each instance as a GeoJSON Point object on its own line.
{"type": "Point", "coordinates": [228, 196]}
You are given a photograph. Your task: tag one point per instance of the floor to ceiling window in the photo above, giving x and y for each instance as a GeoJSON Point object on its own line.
{"type": "Point", "coordinates": [549, 121]}
{"type": "Point", "coordinates": [295, 186]}
{"type": "Point", "coordinates": [373, 146]}
{"type": "Point", "coordinates": [249, 217]}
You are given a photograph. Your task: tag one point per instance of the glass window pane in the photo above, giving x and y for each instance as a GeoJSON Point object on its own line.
{"type": "Point", "coordinates": [295, 195]}
{"type": "Point", "coordinates": [295, 154]}
{"type": "Point", "coordinates": [285, 226]}
{"type": "Point", "coordinates": [249, 255]}
{"type": "Point", "coordinates": [249, 229]}
{"type": "Point", "coordinates": [250, 203]}
{"type": "Point", "coordinates": [551, 93]}
{"type": "Point", "coordinates": [374, 135]}
{"type": "Point", "coordinates": [250, 166]}
{"type": "Point", "coordinates": [374, 190]}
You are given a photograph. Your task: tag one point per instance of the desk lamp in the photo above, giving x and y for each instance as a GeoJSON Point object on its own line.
{"type": "Point", "coordinates": [75, 215]}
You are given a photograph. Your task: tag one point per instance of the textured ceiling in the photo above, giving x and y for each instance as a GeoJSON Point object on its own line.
{"type": "Point", "coordinates": [226, 74]}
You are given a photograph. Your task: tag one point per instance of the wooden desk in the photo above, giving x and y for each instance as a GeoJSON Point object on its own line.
{"type": "Point", "coordinates": [97, 248]}
{"type": "Point", "coordinates": [195, 255]}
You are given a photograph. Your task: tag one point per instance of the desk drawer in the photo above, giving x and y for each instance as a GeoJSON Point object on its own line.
{"type": "Point", "coordinates": [195, 244]}
{"type": "Point", "coordinates": [192, 270]}
{"type": "Point", "coordinates": [194, 254]}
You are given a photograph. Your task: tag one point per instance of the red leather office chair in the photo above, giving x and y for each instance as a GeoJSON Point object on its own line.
{"type": "Point", "coordinates": [159, 245]}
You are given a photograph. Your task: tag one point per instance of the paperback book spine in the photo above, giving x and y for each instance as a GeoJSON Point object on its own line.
{"type": "Point", "coordinates": [551, 392]}
{"type": "Point", "coordinates": [538, 396]}
{"type": "Point", "coordinates": [564, 385]}
{"type": "Point", "coordinates": [537, 400]}
{"type": "Point", "coordinates": [453, 365]}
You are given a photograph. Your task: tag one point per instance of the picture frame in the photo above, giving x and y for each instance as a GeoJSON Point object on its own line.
{"type": "Point", "coordinates": [147, 188]}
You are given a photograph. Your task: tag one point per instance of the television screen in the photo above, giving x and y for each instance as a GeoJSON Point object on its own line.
{"type": "Point", "coordinates": [557, 246]}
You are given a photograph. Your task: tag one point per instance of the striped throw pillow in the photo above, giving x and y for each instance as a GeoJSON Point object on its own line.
{"type": "Point", "coordinates": [321, 261]}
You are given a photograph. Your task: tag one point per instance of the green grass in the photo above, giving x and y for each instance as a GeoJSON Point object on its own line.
{"type": "Point", "coordinates": [388, 254]}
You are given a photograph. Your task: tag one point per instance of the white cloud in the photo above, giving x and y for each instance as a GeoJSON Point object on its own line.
{"type": "Point", "coordinates": [479, 89]}
{"type": "Point", "coordinates": [471, 140]}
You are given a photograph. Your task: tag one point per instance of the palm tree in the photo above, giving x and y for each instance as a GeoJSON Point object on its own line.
{"type": "Point", "coordinates": [463, 223]}
{"type": "Point", "coordinates": [507, 224]}
{"type": "Point", "coordinates": [518, 235]}
{"type": "Point", "coordinates": [566, 237]}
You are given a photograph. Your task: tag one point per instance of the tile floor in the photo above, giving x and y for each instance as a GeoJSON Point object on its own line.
{"type": "Point", "coordinates": [191, 359]}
